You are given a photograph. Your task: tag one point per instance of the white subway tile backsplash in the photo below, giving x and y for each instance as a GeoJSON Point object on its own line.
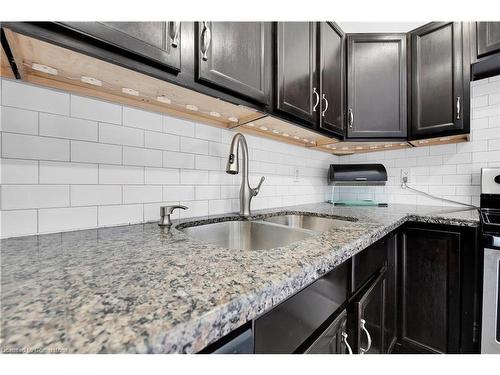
{"type": "Point", "coordinates": [178, 160]}
{"type": "Point", "coordinates": [162, 141]}
{"type": "Point", "coordinates": [120, 135]}
{"type": "Point", "coordinates": [65, 219]}
{"type": "Point", "coordinates": [142, 194]}
{"type": "Point", "coordinates": [207, 192]}
{"type": "Point", "coordinates": [17, 171]}
{"type": "Point", "coordinates": [65, 127]}
{"type": "Point", "coordinates": [194, 177]}
{"type": "Point", "coordinates": [97, 110]}
{"type": "Point", "coordinates": [21, 95]}
{"type": "Point", "coordinates": [18, 223]}
{"type": "Point", "coordinates": [195, 209]}
{"type": "Point", "coordinates": [209, 133]}
{"type": "Point", "coordinates": [121, 175]}
{"type": "Point", "coordinates": [194, 146]}
{"type": "Point", "coordinates": [17, 120]}
{"type": "Point", "coordinates": [177, 126]}
{"type": "Point", "coordinates": [142, 156]}
{"type": "Point", "coordinates": [90, 152]}
{"type": "Point", "coordinates": [17, 197]}
{"type": "Point", "coordinates": [178, 193]}
{"type": "Point", "coordinates": [161, 176]}
{"type": "Point", "coordinates": [31, 147]}
{"type": "Point", "coordinates": [95, 195]}
{"type": "Point", "coordinates": [68, 173]}
{"type": "Point", "coordinates": [138, 118]}
{"type": "Point", "coordinates": [208, 162]}
{"type": "Point", "coordinates": [120, 214]}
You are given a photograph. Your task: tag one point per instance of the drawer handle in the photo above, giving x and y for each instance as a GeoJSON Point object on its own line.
{"type": "Point", "coordinates": [206, 36]}
{"type": "Point", "coordinates": [326, 105]}
{"type": "Point", "coordinates": [368, 337]}
{"type": "Point", "coordinates": [344, 340]}
{"type": "Point", "coordinates": [173, 30]}
{"type": "Point", "coordinates": [317, 99]}
{"type": "Point", "coordinates": [458, 107]}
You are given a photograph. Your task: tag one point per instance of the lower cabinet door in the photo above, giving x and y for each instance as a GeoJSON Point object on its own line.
{"type": "Point", "coordinates": [334, 338]}
{"type": "Point", "coordinates": [368, 318]}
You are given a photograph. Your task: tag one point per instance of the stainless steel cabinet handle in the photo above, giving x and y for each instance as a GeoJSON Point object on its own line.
{"type": "Point", "coordinates": [326, 105]}
{"type": "Point", "coordinates": [317, 99]}
{"type": "Point", "coordinates": [173, 33]}
{"type": "Point", "coordinates": [344, 340]}
{"type": "Point", "coordinates": [206, 36]}
{"type": "Point", "coordinates": [368, 337]}
{"type": "Point", "coordinates": [351, 118]}
{"type": "Point", "coordinates": [458, 107]}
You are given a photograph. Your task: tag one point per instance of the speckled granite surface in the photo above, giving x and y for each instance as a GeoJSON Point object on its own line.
{"type": "Point", "coordinates": [140, 289]}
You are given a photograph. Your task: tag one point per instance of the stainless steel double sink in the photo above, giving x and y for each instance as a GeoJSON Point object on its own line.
{"type": "Point", "coordinates": [265, 233]}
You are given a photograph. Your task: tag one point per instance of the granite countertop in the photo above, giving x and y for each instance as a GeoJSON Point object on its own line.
{"type": "Point", "coordinates": [138, 288]}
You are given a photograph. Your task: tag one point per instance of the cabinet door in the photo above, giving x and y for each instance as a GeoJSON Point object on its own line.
{"type": "Point", "coordinates": [334, 339]}
{"type": "Point", "coordinates": [430, 291]}
{"type": "Point", "coordinates": [332, 77]}
{"type": "Point", "coordinates": [365, 265]}
{"type": "Point", "coordinates": [297, 89]}
{"type": "Point", "coordinates": [488, 38]}
{"type": "Point", "coordinates": [155, 41]}
{"type": "Point", "coordinates": [439, 100]}
{"type": "Point", "coordinates": [236, 56]}
{"type": "Point", "coordinates": [369, 317]}
{"type": "Point", "coordinates": [376, 88]}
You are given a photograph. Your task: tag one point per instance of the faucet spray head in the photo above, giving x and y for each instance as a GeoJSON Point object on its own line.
{"type": "Point", "coordinates": [232, 164]}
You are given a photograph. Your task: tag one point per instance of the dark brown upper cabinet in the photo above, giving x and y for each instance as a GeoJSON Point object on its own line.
{"type": "Point", "coordinates": [157, 42]}
{"type": "Point", "coordinates": [376, 86]}
{"type": "Point", "coordinates": [488, 38]}
{"type": "Point", "coordinates": [332, 77]}
{"type": "Point", "coordinates": [485, 49]}
{"type": "Point", "coordinates": [310, 74]}
{"type": "Point", "coordinates": [297, 89]}
{"type": "Point", "coordinates": [439, 80]}
{"type": "Point", "coordinates": [236, 56]}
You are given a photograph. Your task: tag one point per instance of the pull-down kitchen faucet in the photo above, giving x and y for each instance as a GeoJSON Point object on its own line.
{"type": "Point", "coordinates": [246, 192]}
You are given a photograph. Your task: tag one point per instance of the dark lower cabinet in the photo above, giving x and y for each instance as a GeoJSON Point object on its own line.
{"type": "Point", "coordinates": [376, 86]}
{"type": "Point", "coordinates": [437, 290]}
{"type": "Point", "coordinates": [368, 317]}
{"type": "Point", "coordinates": [440, 70]}
{"type": "Point", "coordinates": [379, 306]}
{"type": "Point", "coordinates": [158, 42]}
{"type": "Point", "coordinates": [334, 339]}
{"type": "Point", "coordinates": [297, 90]}
{"type": "Point", "coordinates": [236, 56]}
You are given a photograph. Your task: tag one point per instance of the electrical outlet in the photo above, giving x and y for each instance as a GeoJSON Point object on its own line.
{"type": "Point", "coordinates": [405, 174]}
{"type": "Point", "coordinates": [296, 175]}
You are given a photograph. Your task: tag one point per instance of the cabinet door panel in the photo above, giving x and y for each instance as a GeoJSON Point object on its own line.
{"type": "Point", "coordinates": [376, 86]}
{"type": "Point", "coordinates": [331, 341]}
{"type": "Point", "coordinates": [332, 78]}
{"type": "Point", "coordinates": [296, 70]}
{"type": "Point", "coordinates": [151, 40]}
{"type": "Point", "coordinates": [369, 317]}
{"type": "Point", "coordinates": [238, 58]}
{"type": "Point", "coordinates": [488, 38]}
{"type": "Point", "coordinates": [430, 290]}
{"type": "Point", "coordinates": [438, 96]}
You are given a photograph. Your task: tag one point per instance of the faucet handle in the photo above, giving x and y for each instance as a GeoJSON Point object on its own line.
{"type": "Point", "coordinates": [256, 190]}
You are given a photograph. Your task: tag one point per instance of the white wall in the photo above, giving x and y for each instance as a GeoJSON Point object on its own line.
{"type": "Point", "coordinates": [70, 162]}
{"type": "Point", "coordinates": [449, 171]}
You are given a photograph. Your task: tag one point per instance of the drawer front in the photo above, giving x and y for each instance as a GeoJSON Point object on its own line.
{"type": "Point", "coordinates": [289, 324]}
